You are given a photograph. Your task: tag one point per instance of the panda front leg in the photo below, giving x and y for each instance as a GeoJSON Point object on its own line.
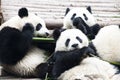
{"type": "Point", "coordinates": [14, 44]}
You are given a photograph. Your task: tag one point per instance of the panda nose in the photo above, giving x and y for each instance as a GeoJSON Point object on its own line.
{"type": "Point", "coordinates": [74, 45]}
{"type": "Point", "coordinates": [47, 34]}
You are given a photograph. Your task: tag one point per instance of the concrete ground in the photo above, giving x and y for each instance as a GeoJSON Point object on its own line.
{"type": "Point", "coordinates": [14, 78]}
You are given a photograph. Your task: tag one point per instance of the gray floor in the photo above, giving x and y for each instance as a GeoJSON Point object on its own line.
{"type": "Point", "coordinates": [14, 78]}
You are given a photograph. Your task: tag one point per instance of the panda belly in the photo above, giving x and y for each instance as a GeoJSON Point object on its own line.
{"type": "Point", "coordinates": [90, 69]}
{"type": "Point", "coordinates": [27, 66]}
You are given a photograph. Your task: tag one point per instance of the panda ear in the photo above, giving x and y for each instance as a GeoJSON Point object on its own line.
{"type": "Point", "coordinates": [67, 10]}
{"type": "Point", "coordinates": [36, 14]}
{"type": "Point", "coordinates": [23, 12]}
{"type": "Point", "coordinates": [57, 32]}
{"type": "Point", "coordinates": [119, 26]}
{"type": "Point", "coordinates": [89, 9]}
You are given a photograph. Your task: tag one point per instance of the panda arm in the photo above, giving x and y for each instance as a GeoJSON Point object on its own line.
{"type": "Point", "coordinates": [65, 60]}
{"type": "Point", "coordinates": [14, 44]}
{"type": "Point", "coordinates": [80, 24]}
{"type": "Point", "coordinates": [28, 31]}
{"type": "Point", "coordinates": [95, 28]}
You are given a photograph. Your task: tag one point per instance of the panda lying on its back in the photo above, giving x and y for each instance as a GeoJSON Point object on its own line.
{"type": "Point", "coordinates": [18, 56]}
{"type": "Point", "coordinates": [81, 18]}
{"type": "Point", "coordinates": [72, 62]}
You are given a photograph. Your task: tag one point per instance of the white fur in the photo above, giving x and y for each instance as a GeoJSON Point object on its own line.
{"type": "Point", "coordinates": [91, 68]}
{"type": "Point", "coordinates": [18, 23]}
{"type": "Point", "coordinates": [67, 23]}
{"type": "Point", "coordinates": [28, 64]}
{"type": "Point", "coordinates": [71, 34]}
{"type": "Point", "coordinates": [107, 43]}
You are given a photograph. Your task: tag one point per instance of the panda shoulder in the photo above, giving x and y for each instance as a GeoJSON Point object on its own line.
{"type": "Point", "coordinates": [11, 22]}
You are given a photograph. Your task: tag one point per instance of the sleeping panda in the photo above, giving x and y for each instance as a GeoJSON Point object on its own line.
{"type": "Point", "coordinates": [72, 59]}
{"type": "Point", "coordinates": [81, 18]}
{"type": "Point", "coordinates": [18, 56]}
{"type": "Point", "coordinates": [106, 44]}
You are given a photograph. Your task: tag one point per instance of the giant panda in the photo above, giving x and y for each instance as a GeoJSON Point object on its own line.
{"type": "Point", "coordinates": [24, 17]}
{"type": "Point", "coordinates": [67, 42]}
{"type": "Point", "coordinates": [18, 55]}
{"type": "Point", "coordinates": [106, 44]}
{"type": "Point", "coordinates": [73, 60]}
{"type": "Point", "coordinates": [91, 68]}
{"type": "Point", "coordinates": [82, 19]}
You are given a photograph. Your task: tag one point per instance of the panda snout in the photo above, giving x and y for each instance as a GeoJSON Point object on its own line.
{"type": "Point", "coordinates": [75, 45]}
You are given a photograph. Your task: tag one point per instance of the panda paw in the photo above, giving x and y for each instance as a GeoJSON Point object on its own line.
{"type": "Point", "coordinates": [42, 70]}
{"type": "Point", "coordinates": [95, 29]}
{"type": "Point", "coordinates": [28, 27]}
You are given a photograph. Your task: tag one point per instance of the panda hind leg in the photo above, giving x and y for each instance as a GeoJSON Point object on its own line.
{"type": "Point", "coordinates": [14, 44]}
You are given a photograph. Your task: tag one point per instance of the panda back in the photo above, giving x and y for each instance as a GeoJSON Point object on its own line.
{"type": "Point", "coordinates": [107, 43]}
{"type": "Point", "coordinates": [13, 22]}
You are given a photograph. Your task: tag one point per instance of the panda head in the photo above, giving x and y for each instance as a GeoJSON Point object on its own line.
{"type": "Point", "coordinates": [69, 39]}
{"type": "Point", "coordinates": [38, 23]}
{"type": "Point", "coordinates": [85, 15]}
{"type": "Point", "coordinates": [82, 19]}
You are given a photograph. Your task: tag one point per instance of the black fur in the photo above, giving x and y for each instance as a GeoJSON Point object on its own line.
{"type": "Point", "coordinates": [95, 29]}
{"type": "Point", "coordinates": [23, 12]}
{"type": "Point", "coordinates": [119, 26]}
{"type": "Point", "coordinates": [64, 60]}
{"type": "Point", "coordinates": [90, 31]}
{"type": "Point", "coordinates": [73, 16]}
{"type": "Point", "coordinates": [67, 10]}
{"type": "Point", "coordinates": [38, 27]}
{"type": "Point", "coordinates": [67, 42]}
{"type": "Point", "coordinates": [85, 17]}
{"type": "Point", "coordinates": [45, 46]}
{"type": "Point", "coordinates": [89, 9]}
{"type": "Point", "coordinates": [14, 44]}
{"type": "Point", "coordinates": [57, 32]}
{"type": "Point", "coordinates": [79, 23]}
{"type": "Point", "coordinates": [79, 39]}
{"type": "Point", "coordinates": [43, 70]}
{"type": "Point", "coordinates": [91, 45]}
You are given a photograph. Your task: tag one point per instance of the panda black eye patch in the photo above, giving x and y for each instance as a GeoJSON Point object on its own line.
{"type": "Point", "coordinates": [78, 38]}
{"type": "Point", "coordinates": [67, 42]}
{"type": "Point", "coordinates": [38, 27]}
{"type": "Point", "coordinates": [86, 18]}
